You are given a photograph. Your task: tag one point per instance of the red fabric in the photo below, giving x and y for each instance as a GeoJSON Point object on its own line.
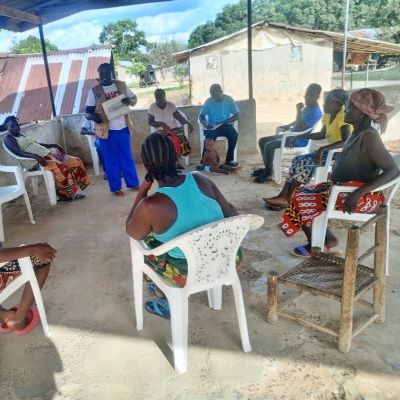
{"type": "Point", "coordinates": [175, 141]}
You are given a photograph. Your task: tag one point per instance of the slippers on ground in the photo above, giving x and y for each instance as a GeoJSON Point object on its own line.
{"type": "Point", "coordinates": [304, 251]}
{"type": "Point", "coordinates": [155, 290]}
{"type": "Point", "coordinates": [33, 319]}
{"type": "Point", "coordinates": [3, 327]}
{"type": "Point", "coordinates": [118, 193]}
{"type": "Point", "coordinates": [158, 307]}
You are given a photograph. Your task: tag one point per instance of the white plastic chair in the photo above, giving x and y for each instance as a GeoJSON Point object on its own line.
{"type": "Point", "coordinates": [322, 172]}
{"type": "Point", "coordinates": [11, 192]}
{"type": "Point", "coordinates": [320, 223]}
{"type": "Point", "coordinates": [210, 251]}
{"type": "Point", "coordinates": [33, 175]}
{"type": "Point", "coordinates": [93, 152]}
{"type": "Point", "coordinates": [202, 138]}
{"type": "Point", "coordinates": [286, 152]}
{"type": "Point", "coordinates": [185, 131]}
{"type": "Point", "coordinates": [27, 275]}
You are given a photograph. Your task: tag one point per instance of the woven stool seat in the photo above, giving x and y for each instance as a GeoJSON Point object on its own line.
{"type": "Point", "coordinates": [324, 274]}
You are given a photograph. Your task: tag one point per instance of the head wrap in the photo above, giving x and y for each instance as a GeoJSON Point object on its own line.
{"type": "Point", "coordinates": [338, 95]}
{"type": "Point", "coordinates": [372, 103]}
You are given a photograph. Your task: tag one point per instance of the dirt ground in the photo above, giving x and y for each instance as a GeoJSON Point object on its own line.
{"type": "Point", "coordinates": [95, 353]}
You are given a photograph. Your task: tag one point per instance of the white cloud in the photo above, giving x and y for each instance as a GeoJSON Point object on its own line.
{"type": "Point", "coordinates": [181, 37]}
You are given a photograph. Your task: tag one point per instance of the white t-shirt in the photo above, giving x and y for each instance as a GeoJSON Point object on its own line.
{"type": "Point", "coordinates": [165, 115]}
{"type": "Point", "coordinates": [110, 91]}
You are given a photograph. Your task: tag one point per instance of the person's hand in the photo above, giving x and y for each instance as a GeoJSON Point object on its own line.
{"type": "Point", "coordinates": [97, 118]}
{"type": "Point", "coordinates": [41, 160]}
{"type": "Point", "coordinates": [126, 101]}
{"type": "Point", "coordinates": [299, 106]}
{"type": "Point", "coordinates": [351, 201]}
{"type": "Point", "coordinates": [43, 252]}
{"type": "Point", "coordinates": [190, 127]}
{"type": "Point", "coordinates": [318, 156]}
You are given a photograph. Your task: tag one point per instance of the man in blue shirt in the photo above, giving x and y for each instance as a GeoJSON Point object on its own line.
{"type": "Point", "coordinates": [306, 117]}
{"type": "Point", "coordinates": [217, 115]}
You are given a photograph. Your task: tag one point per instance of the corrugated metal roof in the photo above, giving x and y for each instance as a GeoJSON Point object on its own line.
{"type": "Point", "coordinates": [23, 85]}
{"type": "Point", "coordinates": [21, 15]}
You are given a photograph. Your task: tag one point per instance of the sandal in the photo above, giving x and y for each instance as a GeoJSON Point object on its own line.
{"type": "Point", "coordinates": [74, 197]}
{"type": "Point", "coordinates": [301, 251]}
{"type": "Point", "coordinates": [33, 319]}
{"type": "Point", "coordinates": [118, 193]}
{"type": "Point", "coordinates": [158, 307]}
{"type": "Point", "coordinates": [155, 290]}
{"type": "Point", "coordinates": [3, 327]}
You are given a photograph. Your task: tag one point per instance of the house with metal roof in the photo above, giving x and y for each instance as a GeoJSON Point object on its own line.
{"type": "Point", "coordinates": [23, 84]}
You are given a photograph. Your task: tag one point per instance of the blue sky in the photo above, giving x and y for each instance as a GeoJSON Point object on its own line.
{"type": "Point", "coordinates": [160, 22]}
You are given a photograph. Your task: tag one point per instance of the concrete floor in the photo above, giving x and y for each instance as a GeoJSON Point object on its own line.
{"type": "Point", "coordinates": [95, 352]}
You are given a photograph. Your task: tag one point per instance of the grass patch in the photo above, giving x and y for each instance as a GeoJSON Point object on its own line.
{"type": "Point", "coordinates": [388, 74]}
{"type": "Point", "coordinates": [173, 93]}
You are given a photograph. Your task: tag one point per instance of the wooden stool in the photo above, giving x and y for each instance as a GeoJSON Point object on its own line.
{"type": "Point", "coordinates": [344, 280]}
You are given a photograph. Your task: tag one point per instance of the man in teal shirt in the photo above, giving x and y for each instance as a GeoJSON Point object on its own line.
{"type": "Point", "coordinates": [217, 116]}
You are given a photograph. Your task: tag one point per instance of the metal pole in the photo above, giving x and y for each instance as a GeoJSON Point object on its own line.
{"type": "Point", "coordinates": [367, 75]}
{"type": "Point", "coordinates": [250, 48]}
{"type": "Point", "coordinates": [46, 67]}
{"type": "Point", "coordinates": [346, 27]}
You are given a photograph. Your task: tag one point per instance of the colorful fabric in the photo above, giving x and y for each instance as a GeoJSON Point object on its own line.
{"type": "Point", "coordinates": [69, 174]}
{"type": "Point", "coordinates": [11, 271]}
{"type": "Point", "coordinates": [303, 167]}
{"type": "Point", "coordinates": [372, 103]}
{"type": "Point", "coordinates": [308, 202]}
{"type": "Point", "coordinates": [174, 270]}
{"type": "Point", "coordinates": [179, 140]}
{"type": "Point", "coordinates": [333, 129]}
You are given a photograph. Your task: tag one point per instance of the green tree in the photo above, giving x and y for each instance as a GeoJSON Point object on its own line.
{"type": "Point", "coordinates": [31, 45]}
{"type": "Point", "coordinates": [125, 38]}
{"type": "Point", "coordinates": [180, 71]}
{"type": "Point", "coordinates": [137, 68]}
{"type": "Point", "coordinates": [162, 54]}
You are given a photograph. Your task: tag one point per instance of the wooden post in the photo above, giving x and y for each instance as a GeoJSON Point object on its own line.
{"type": "Point", "coordinates": [349, 278]}
{"type": "Point", "coordinates": [380, 265]}
{"type": "Point", "coordinates": [272, 297]}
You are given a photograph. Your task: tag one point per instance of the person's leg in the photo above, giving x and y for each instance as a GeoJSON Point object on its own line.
{"type": "Point", "coordinates": [99, 153]}
{"type": "Point", "coordinates": [261, 144]}
{"type": "Point", "coordinates": [330, 239]}
{"type": "Point", "coordinates": [17, 321]}
{"type": "Point", "coordinates": [109, 148]}
{"type": "Point", "coordinates": [268, 156]}
{"type": "Point", "coordinates": [126, 160]}
{"type": "Point", "coordinates": [229, 132]}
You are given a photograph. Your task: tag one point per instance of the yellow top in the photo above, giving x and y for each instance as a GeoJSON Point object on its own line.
{"type": "Point", "coordinates": [333, 133]}
{"type": "Point", "coordinates": [28, 145]}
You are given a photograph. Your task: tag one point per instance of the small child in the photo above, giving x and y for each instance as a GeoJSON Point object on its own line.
{"type": "Point", "coordinates": [211, 159]}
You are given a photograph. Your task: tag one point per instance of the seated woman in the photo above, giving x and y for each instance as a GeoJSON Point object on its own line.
{"type": "Point", "coordinates": [364, 163]}
{"type": "Point", "coordinates": [165, 117]}
{"type": "Point", "coordinates": [156, 219]}
{"type": "Point", "coordinates": [23, 318]}
{"type": "Point", "coordinates": [303, 167]}
{"type": "Point", "coordinates": [69, 172]}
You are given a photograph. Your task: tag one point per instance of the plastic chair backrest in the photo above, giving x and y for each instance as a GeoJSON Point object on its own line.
{"type": "Point", "coordinates": [211, 250]}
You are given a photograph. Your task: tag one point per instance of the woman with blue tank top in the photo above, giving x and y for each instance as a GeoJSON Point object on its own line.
{"type": "Point", "coordinates": [181, 203]}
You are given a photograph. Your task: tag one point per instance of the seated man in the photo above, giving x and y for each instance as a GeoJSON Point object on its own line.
{"type": "Point", "coordinates": [217, 115]}
{"type": "Point", "coordinates": [306, 117]}
{"type": "Point", "coordinates": [89, 129]}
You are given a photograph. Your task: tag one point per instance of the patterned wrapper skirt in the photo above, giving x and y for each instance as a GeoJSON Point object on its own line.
{"type": "Point", "coordinates": [69, 174]}
{"type": "Point", "coordinates": [174, 270]}
{"type": "Point", "coordinates": [180, 141]}
{"type": "Point", "coordinates": [308, 202]}
{"type": "Point", "coordinates": [11, 271]}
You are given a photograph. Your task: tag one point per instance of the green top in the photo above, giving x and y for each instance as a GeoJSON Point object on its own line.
{"type": "Point", "coordinates": [28, 145]}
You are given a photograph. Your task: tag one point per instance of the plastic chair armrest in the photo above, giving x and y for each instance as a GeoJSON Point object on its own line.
{"type": "Point", "coordinates": [8, 168]}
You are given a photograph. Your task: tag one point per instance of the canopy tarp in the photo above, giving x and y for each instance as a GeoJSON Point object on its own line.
{"type": "Point", "coordinates": [21, 15]}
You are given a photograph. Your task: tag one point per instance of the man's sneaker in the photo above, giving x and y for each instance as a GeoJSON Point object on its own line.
{"type": "Point", "coordinates": [258, 172]}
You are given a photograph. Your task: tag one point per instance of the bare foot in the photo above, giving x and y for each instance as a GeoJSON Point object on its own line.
{"type": "Point", "coordinates": [12, 320]}
{"type": "Point", "coordinates": [277, 202]}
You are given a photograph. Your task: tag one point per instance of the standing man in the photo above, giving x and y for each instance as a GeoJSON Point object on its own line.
{"type": "Point", "coordinates": [114, 134]}
{"type": "Point", "coordinates": [217, 115]}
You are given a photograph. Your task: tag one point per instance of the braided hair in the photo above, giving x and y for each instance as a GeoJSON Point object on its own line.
{"type": "Point", "coordinates": [159, 157]}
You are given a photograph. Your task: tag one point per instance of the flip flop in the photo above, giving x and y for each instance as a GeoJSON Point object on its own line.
{"type": "Point", "coordinates": [118, 193]}
{"type": "Point", "coordinates": [3, 327]}
{"type": "Point", "coordinates": [272, 208]}
{"type": "Point", "coordinates": [33, 319]}
{"type": "Point", "coordinates": [300, 251]}
{"type": "Point", "coordinates": [154, 289]}
{"type": "Point", "coordinates": [158, 307]}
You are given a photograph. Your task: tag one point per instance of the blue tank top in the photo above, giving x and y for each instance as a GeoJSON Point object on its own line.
{"type": "Point", "coordinates": [193, 207]}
